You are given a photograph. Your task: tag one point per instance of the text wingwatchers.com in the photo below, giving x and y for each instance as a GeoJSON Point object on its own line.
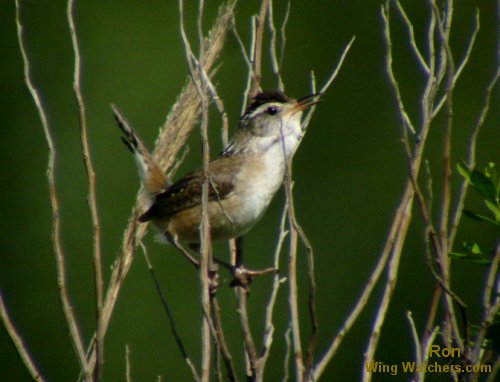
{"type": "Point", "coordinates": [430, 366]}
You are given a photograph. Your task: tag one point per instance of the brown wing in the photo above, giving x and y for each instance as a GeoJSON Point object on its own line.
{"type": "Point", "coordinates": [186, 192]}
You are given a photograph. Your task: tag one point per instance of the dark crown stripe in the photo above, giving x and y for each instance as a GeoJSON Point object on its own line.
{"type": "Point", "coordinates": [266, 97]}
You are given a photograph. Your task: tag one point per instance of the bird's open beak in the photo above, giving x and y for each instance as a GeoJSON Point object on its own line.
{"type": "Point", "coordinates": [305, 102]}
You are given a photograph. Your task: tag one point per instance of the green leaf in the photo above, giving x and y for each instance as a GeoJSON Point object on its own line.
{"type": "Point", "coordinates": [490, 171]}
{"type": "Point", "coordinates": [458, 255]}
{"type": "Point", "coordinates": [474, 253]}
{"type": "Point", "coordinates": [479, 260]}
{"type": "Point", "coordinates": [494, 208]}
{"type": "Point", "coordinates": [464, 170]}
{"type": "Point", "coordinates": [480, 218]}
{"type": "Point", "coordinates": [484, 185]}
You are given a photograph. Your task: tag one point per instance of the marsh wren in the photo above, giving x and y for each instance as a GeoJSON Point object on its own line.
{"type": "Point", "coordinates": [242, 180]}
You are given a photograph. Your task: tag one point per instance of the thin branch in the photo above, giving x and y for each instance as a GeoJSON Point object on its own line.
{"type": "Point", "coordinates": [170, 317]}
{"type": "Point", "coordinates": [272, 48]}
{"type": "Point", "coordinates": [369, 286]}
{"type": "Point", "coordinates": [293, 294]}
{"type": "Point", "coordinates": [251, 73]}
{"type": "Point", "coordinates": [288, 353]}
{"type": "Point", "coordinates": [283, 34]}
{"type": "Point", "coordinates": [91, 197]}
{"type": "Point", "coordinates": [446, 193]}
{"type": "Point", "coordinates": [463, 63]}
{"type": "Point", "coordinates": [471, 161]}
{"type": "Point", "coordinates": [447, 57]}
{"type": "Point", "coordinates": [389, 289]}
{"type": "Point", "coordinates": [405, 119]}
{"type": "Point", "coordinates": [243, 49]}
{"type": "Point", "coordinates": [433, 309]}
{"type": "Point", "coordinates": [18, 342]}
{"type": "Point", "coordinates": [329, 81]}
{"type": "Point", "coordinates": [468, 49]}
{"type": "Point", "coordinates": [313, 316]}
{"type": "Point", "coordinates": [219, 103]}
{"type": "Point", "coordinates": [219, 335]}
{"type": "Point", "coordinates": [128, 377]}
{"type": "Point", "coordinates": [444, 26]}
{"type": "Point", "coordinates": [64, 298]}
{"type": "Point", "coordinates": [206, 249]}
{"type": "Point", "coordinates": [257, 57]}
{"type": "Point", "coordinates": [250, 349]}
{"type": "Point", "coordinates": [426, 346]}
{"type": "Point", "coordinates": [416, 341]}
{"type": "Point", "coordinates": [277, 281]}
{"type": "Point", "coordinates": [411, 32]}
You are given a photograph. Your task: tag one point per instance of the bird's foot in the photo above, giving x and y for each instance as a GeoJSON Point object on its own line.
{"type": "Point", "coordinates": [243, 277]}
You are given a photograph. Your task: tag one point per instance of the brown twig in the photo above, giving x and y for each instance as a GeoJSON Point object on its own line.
{"type": "Point", "coordinates": [128, 377]}
{"type": "Point", "coordinates": [268, 321]}
{"type": "Point", "coordinates": [91, 197]}
{"type": "Point", "coordinates": [248, 60]}
{"type": "Point", "coordinates": [311, 304]}
{"type": "Point", "coordinates": [18, 342]}
{"type": "Point", "coordinates": [446, 193]}
{"type": "Point", "coordinates": [461, 66]}
{"type": "Point", "coordinates": [283, 34]}
{"type": "Point", "coordinates": [60, 256]}
{"type": "Point", "coordinates": [170, 317]}
{"type": "Point", "coordinates": [221, 341]}
{"type": "Point", "coordinates": [362, 301]}
{"type": "Point", "coordinates": [389, 287]}
{"type": "Point", "coordinates": [471, 161]}
{"type": "Point", "coordinates": [288, 353]}
{"type": "Point", "coordinates": [447, 68]}
{"type": "Point", "coordinates": [329, 81]}
{"type": "Point", "coordinates": [412, 40]}
{"type": "Point", "coordinates": [405, 119]}
{"type": "Point", "coordinates": [250, 350]}
{"type": "Point", "coordinates": [257, 57]}
{"type": "Point", "coordinates": [275, 62]}
{"type": "Point", "coordinates": [206, 265]}
{"type": "Point", "coordinates": [414, 335]}
{"type": "Point", "coordinates": [293, 294]}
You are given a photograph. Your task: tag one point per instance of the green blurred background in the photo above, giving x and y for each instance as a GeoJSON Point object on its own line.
{"type": "Point", "coordinates": [349, 174]}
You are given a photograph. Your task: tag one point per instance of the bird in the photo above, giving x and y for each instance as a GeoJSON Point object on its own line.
{"type": "Point", "coordinates": [242, 180]}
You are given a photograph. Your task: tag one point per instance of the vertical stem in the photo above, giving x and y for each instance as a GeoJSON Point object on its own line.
{"type": "Point", "coordinates": [91, 198]}
{"type": "Point", "coordinates": [293, 292]}
{"type": "Point", "coordinates": [18, 342]}
{"type": "Point", "coordinates": [251, 353]}
{"type": "Point", "coordinates": [257, 58]}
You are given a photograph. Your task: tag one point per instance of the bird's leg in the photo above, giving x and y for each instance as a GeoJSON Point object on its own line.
{"type": "Point", "coordinates": [172, 239]}
{"type": "Point", "coordinates": [242, 276]}
{"type": "Point", "coordinates": [196, 248]}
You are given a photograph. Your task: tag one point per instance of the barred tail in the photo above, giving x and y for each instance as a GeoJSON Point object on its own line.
{"type": "Point", "coordinates": [153, 179]}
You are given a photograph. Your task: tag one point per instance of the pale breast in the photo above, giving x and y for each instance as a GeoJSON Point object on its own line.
{"type": "Point", "coordinates": [257, 183]}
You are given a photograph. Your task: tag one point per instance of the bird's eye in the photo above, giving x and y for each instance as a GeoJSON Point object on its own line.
{"type": "Point", "coordinates": [271, 110]}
